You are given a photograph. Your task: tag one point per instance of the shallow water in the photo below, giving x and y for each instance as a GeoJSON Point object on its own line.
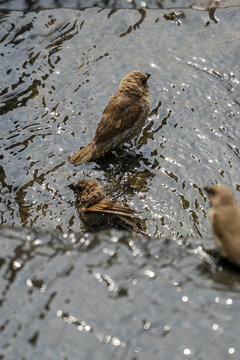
{"type": "Point", "coordinates": [115, 295]}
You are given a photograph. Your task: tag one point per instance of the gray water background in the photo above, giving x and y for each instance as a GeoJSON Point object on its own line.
{"type": "Point", "coordinates": [66, 294]}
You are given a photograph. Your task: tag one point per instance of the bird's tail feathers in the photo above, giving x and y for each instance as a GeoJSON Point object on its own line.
{"type": "Point", "coordinates": [83, 155]}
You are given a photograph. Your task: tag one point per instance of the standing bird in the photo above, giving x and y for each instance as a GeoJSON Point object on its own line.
{"type": "Point", "coordinates": [99, 212]}
{"type": "Point", "coordinates": [224, 214]}
{"type": "Point", "coordinates": [123, 118]}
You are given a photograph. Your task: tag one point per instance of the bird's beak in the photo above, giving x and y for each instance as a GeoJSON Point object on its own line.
{"type": "Point", "coordinates": [72, 186]}
{"type": "Point", "coordinates": [148, 75]}
{"type": "Point", "coordinates": [207, 189]}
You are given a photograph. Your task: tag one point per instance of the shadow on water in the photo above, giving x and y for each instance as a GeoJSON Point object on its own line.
{"type": "Point", "coordinates": [223, 274]}
{"type": "Point", "coordinates": [126, 171]}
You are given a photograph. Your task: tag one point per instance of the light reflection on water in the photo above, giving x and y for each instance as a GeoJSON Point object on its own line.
{"type": "Point", "coordinates": [96, 291]}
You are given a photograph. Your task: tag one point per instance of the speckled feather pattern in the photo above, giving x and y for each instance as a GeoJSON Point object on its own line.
{"type": "Point", "coordinates": [98, 212]}
{"type": "Point", "coordinates": [122, 120]}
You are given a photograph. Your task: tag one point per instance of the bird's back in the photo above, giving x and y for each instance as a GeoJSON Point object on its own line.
{"type": "Point", "coordinates": [122, 113]}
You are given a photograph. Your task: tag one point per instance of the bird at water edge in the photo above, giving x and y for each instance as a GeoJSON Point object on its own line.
{"type": "Point", "coordinates": [224, 216]}
{"type": "Point", "coordinates": [98, 212]}
{"type": "Point", "coordinates": [122, 120]}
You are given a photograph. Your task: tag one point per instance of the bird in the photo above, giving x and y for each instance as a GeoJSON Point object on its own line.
{"type": "Point", "coordinates": [98, 212]}
{"type": "Point", "coordinates": [224, 216]}
{"type": "Point", "coordinates": [122, 120]}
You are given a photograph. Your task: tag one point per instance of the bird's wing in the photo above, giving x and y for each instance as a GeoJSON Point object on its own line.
{"type": "Point", "coordinates": [119, 115]}
{"type": "Point", "coordinates": [110, 206]}
{"type": "Point", "coordinates": [129, 220]}
{"type": "Point", "coordinates": [135, 223]}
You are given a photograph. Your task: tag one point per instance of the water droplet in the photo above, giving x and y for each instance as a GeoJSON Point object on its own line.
{"type": "Point", "coordinates": [149, 273]}
{"type": "Point", "coordinates": [187, 351]}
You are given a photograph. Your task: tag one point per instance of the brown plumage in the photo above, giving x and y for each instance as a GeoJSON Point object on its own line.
{"type": "Point", "coordinates": [99, 212]}
{"type": "Point", "coordinates": [224, 214]}
{"type": "Point", "coordinates": [123, 118]}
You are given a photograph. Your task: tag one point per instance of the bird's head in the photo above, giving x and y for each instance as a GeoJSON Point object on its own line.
{"type": "Point", "coordinates": [88, 191]}
{"type": "Point", "coordinates": [135, 83]}
{"type": "Point", "coordinates": [220, 195]}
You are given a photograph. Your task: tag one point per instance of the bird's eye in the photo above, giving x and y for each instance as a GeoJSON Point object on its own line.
{"type": "Point", "coordinates": [212, 192]}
